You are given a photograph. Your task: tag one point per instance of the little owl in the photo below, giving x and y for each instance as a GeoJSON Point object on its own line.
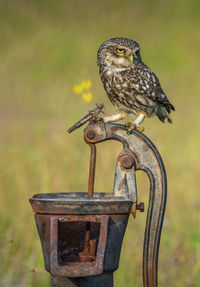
{"type": "Point", "coordinates": [130, 85]}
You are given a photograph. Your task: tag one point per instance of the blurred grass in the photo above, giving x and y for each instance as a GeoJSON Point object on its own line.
{"type": "Point", "coordinates": [48, 46]}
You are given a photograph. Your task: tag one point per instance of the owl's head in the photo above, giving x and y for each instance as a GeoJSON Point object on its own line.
{"type": "Point", "coordinates": [119, 53]}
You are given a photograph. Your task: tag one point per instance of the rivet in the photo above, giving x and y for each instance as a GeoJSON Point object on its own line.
{"type": "Point", "coordinates": [127, 162]}
{"type": "Point", "coordinates": [90, 135]}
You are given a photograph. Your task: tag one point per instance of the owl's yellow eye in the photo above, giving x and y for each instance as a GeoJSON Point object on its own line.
{"type": "Point", "coordinates": [120, 51]}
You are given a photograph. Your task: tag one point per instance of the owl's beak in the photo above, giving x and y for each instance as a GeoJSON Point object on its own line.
{"type": "Point", "coordinates": [130, 58]}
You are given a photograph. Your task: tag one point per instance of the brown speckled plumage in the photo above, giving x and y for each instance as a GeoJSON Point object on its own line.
{"type": "Point", "coordinates": [131, 86]}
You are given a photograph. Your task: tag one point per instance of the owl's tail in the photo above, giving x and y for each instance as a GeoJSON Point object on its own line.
{"type": "Point", "coordinates": [163, 114]}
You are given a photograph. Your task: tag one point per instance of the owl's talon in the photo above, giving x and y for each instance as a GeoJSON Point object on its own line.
{"type": "Point", "coordinates": [134, 127]}
{"type": "Point", "coordinates": [139, 128]}
{"type": "Point", "coordinates": [128, 125]}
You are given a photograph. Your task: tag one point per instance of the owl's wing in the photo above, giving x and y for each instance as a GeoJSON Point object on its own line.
{"type": "Point", "coordinates": [157, 93]}
{"type": "Point", "coordinates": [145, 83]}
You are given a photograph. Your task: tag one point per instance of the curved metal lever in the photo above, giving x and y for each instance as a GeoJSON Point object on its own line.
{"type": "Point", "coordinates": [148, 159]}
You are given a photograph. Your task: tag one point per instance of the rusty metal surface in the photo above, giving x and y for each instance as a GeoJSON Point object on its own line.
{"type": "Point", "coordinates": [92, 170]}
{"type": "Point", "coordinates": [138, 153]}
{"type": "Point", "coordinates": [89, 117]}
{"type": "Point", "coordinates": [125, 181]}
{"type": "Point", "coordinates": [80, 203]}
{"type": "Point", "coordinates": [61, 240]}
{"type": "Point", "coordinates": [147, 158]}
{"type": "Point", "coordinates": [77, 269]}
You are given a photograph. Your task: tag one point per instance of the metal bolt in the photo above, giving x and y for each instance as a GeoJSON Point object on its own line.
{"type": "Point", "coordinates": [140, 206]}
{"type": "Point", "coordinates": [91, 135]}
{"type": "Point", "coordinates": [127, 162]}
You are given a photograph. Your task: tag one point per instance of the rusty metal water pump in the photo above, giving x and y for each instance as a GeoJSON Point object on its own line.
{"type": "Point", "coordinates": [82, 233]}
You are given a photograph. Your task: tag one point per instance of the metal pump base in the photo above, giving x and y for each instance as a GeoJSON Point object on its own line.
{"type": "Point", "coordinates": [105, 279]}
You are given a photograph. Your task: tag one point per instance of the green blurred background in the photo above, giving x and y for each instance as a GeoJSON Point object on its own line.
{"type": "Point", "coordinates": [47, 47]}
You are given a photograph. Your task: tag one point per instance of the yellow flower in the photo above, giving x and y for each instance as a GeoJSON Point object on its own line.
{"type": "Point", "coordinates": [87, 97]}
{"type": "Point", "coordinates": [86, 85]}
{"type": "Point", "coordinates": [77, 89]}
